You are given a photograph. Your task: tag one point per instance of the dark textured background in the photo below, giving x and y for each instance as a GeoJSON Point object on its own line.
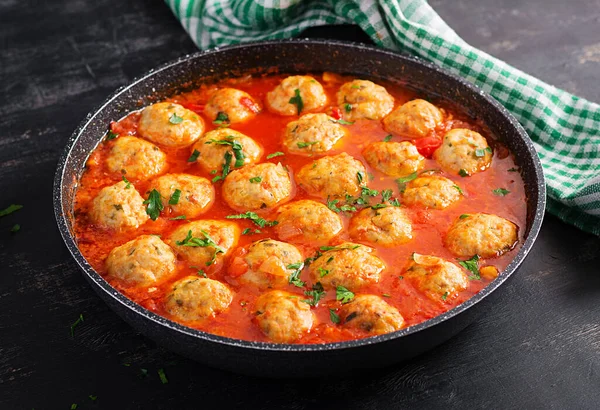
{"type": "Point", "coordinates": [538, 348]}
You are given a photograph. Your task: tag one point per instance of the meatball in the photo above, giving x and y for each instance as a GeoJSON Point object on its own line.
{"type": "Point", "coordinates": [295, 95]}
{"type": "Point", "coordinates": [118, 207]}
{"type": "Point", "coordinates": [136, 158]}
{"type": "Point", "coordinates": [193, 298]}
{"type": "Point", "coordinates": [144, 261]}
{"type": "Point", "coordinates": [282, 316]}
{"type": "Point", "coordinates": [385, 226]}
{"type": "Point", "coordinates": [204, 242]}
{"type": "Point", "coordinates": [170, 124]}
{"type": "Point", "coordinates": [349, 265]}
{"type": "Point", "coordinates": [436, 277]}
{"type": "Point", "coordinates": [312, 134]}
{"type": "Point", "coordinates": [333, 177]}
{"type": "Point", "coordinates": [414, 119]}
{"type": "Point", "coordinates": [232, 105]}
{"type": "Point", "coordinates": [396, 159]}
{"type": "Point", "coordinates": [216, 144]}
{"type": "Point", "coordinates": [364, 99]}
{"type": "Point", "coordinates": [307, 221]}
{"type": "Point", "coordinates": [463, 152]}
{"type": "Point", "coordinates": [431, 191]}
{"type": "Point", "coordinates": [257, 186]}
{"type": "Point", "coordinates": [265, 264]}
{"type": "Point", "coordinates": [195, 195]}
{"type": "Point", "coordinates": [371, 314]}
{"type": "Point", "coordinates": [481, 234]}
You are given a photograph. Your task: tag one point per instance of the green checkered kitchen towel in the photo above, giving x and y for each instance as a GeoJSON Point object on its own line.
{"type": "Point", "coordinates": [564, 128]}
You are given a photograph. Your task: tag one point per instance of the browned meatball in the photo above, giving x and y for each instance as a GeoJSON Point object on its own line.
{"type": "Point", "coordinates": [136, 158]}
{"type": "Point", "coordinates": [371, 314]}
{"type": "Point", "coordinates": [170, 124]}
{"type": "Point", "coordinates": [481, 234]}
{"type": "Point", "coordinates": [118, 207]}
{"type": "Point", "coordinates": [231, 106]}
{"type": "Point", "coordinates": [436, 277]}
{"type": "Point", "coordinates": [394, 158]}
{"type": "Point", "coordinates": [295, 92]}
{"type": "Point", "coordinates": [385, 226]}
{"type": "Point", "coordinates": [364, 99]}
{"type": "Point", "coordinates": [414, 119]}
{"type": "Point", "coordinates": [463, 152]}
{"type": "Point", "coordinates": [312, 134]}
{"type": "Point", "coordinates": [282, 316]}
{"type": "Point", "coordinates": [185, 194]}
{"type": "Point", "coordinates": [307, 221]}
{"type": "Point", "coordinates": [193, 298]}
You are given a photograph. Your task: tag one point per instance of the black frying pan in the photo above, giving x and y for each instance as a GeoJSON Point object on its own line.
{"type": "Point", "coordinates": [268, 359]}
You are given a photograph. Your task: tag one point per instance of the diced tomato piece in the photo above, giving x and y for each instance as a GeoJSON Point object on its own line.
{"type": "Point", "coordinates": [238, 267]}
{"type": "Point", "coordinates": [126, 126]}
{"type": "Point", "coordinates": [251, 105]}
{"type": "Point", "coordinates": [197, 108]}
{"type": "Point", "coordinates": [336, 113]}
{"type": "Point", "coordinates": [426, 146]}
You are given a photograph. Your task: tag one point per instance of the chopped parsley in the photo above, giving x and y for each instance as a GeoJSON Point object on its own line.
{"type": "Point", "coordinates": [348, 107]}
{"type": "Point", "coordinates": [275, 154]}
{"type": "Point", "coordinates": [335, 318]}
{"type": "Point", "coordinates": [256, 180]}
{"type": "Point", "coordinates": [488, 149]}
{"type": "Point", "coordinates": [174, 200]}
{"type": "Point", "coordinates": [194, 156]}
{"type": "Point", "coordinates": [395, 202]}
{"type": "Point", "coordinates": [463, 216]}
{"type": "Point", "coordinates": [236, 147]}
{"type": "Point", "coordinates": [222, 119]}
{"type": "Point", "coordinates": [205, 242]}
{"type": "Point", "coordinates": [386, 295]}
{"type": "Point", "coordinates": [249, 231]}
{"type": "Point", "coordinates": [501, 191]}
{"type": "Point", "coordinates": [74, 406]}
{"type": "Point", "coordinates": [11, 208]}
{"type": "Point", "coordinates": [344, 208]}
{"type": "Point", "coordinates": [472, 266]}
{"type": "Point", "coordinates": [387, 138]}
{"type": "Point", "coordinates": [261, 222]}
{"type": "Point", "coordinates": [445, 295]}
{"type": "Point", "coordinates": [163, 376]}
{"type": "Point", "coordinates": [459, 189]}
{"type": "Point", "coordinates": [480, 153]}
{"type": "Point", "coordinates": [226, 167]}
{"type": "Point", "coordinates": [386, 195]}
{"type": "Point", "coordinates": [323, 272]}
{"type": "Point", "coordinates": [154, 205]}
{"type": "Point", "coordinates": [513, 170]}
{"type": "Point", "coordinates": [178, 218]}
{"type": "Point", "coordinates": [343, 295]}
{"type": "Point", "coordinates": [111, 135]}
{"type": "Point", "coordinates": [200, 271]}
{"type": "Point", "coordinates": [360, 177]}
{"type": "Point", "coordinates": [297, 100]}
{"type": "Point", "coordinates": [16, 228]}
{"type": "Point", "coordinates": [306, 144]}
{"type": "Point", "coordinates": [92, 397]}
{"type": "Point", "coordinates": [338, 248]}
{"type": "Point", "coordinates": [127, 183]}
{"type": "Point", "coordinates": [463, 173]}
{"type": "Point", "coordinates": [344, 122]}
{"type": "Point", "coordinates": [316, 294]}
{"type": "Point", "coordinates": [175, 119]}
{"type": "Point", "coordinates": [402, 181]}
{"type": "Point", "coordinates": [74, 325]}
{"type": "Point", "coordinates": [294, 278]}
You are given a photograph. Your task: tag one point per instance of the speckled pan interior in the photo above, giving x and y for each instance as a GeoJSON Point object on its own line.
{"type": "Point", "coordinates": [297, 56]}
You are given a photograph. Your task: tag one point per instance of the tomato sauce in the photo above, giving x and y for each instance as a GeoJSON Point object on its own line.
{"type": "Point", "coordinates": [429, 226]}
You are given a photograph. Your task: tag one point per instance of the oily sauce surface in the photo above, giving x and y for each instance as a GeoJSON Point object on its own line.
{"type": "Point", "coordinates": [429, 226]}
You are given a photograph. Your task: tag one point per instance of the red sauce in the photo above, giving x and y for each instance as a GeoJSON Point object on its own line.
{"type": "Point", "coordinates": [429, 226]}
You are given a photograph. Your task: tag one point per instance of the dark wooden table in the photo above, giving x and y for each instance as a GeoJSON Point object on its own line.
{"type": "Point", "coordinates": [538, 348]}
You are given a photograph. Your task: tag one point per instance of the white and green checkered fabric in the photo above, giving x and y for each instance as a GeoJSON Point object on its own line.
{"type": "Point", "coordinates": [564, 128]}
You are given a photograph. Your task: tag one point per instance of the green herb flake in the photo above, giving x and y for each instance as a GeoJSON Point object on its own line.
{"type": "Point", "coordinates": [154, 205]}
{"type": "Point", "coordinates": [388, 138]}
{"type": "Point", "coordinates": [386, 195]}
{"type": "Point", "coordinates": [175, 119]}
{"type": "Point", "coordinates": [256, 180]}
{"type": "Point", "coordinates": [459, 189]}
{"type": "Point", "coordinates": [16, 228]}
{"type": "Point", "coordinates": [335, 318]}
{"type": "Point", "coordinates": [500, 192]}
{"type": "Point", "coordinates": [395, 202]}
{"type": "Point", "coordinates": [488, 149]}
{"type": "Point", "coordinates": [275, 154]}
{"type": "Point", "coordinates": [92, 397]}
{"type": "Point", "coordinates": [11, 208]}
{"type": "Point", "coordinates": [127, 183]}
{"type": "Point", "coordinates": [445, 295]}
{"type": "Point", "coordinates": [294, 278]}
{"type": "Point", "coordinates": [247, 231]}
{"type": "Point", "coordinates": [306, 144]}
{"type": "Point", "coordinates": [472, 265]}
{"type": "Point", "coordinates": [401, 277]}
{"type": "Point", "coordinates": [261, 222]}
{"type": "Point", "coordinates": [348, 107]}
{"type": "Point", "coordinates": [222, 119]}
{"type": "Point", "coordinates": [344, 122]}
{"type": "Point", "coordinates": [74, 325]}
{"type": "Point", "coordinates": [463, 173]}
{"type": "Point", "coordinates": [343, 295]}
{"type": "Point", "coordinates": [205, 242]}
{"type": "Point", "coordinates": [386, 295]}
{"type": "Point", "coordinates": [111, 135]}
{"type": "Point", "coordinates": [162, 376]}
{"type": "Point", "coordinates": [338, 248]}
{"type": "Point", "coordinates": [316, 294]}
{"type": "Point", "coordinates": [360, 177]}
{"type": "Point", "coordinates": [323, 272]}
{"type": "Point", "coordinates": [194, 156]}
{"type": "Point", "coordinates": [463, 216]}
{"type": "Point", "coordinates": [174, 200]}
{"type": "Point", "coordinates": [178, 218]}
{"type": "Point", "coordinates": [236, 147]}
{"type": "Point", "coordinates": [143, 373]}
{"type": "Point", "coordinates": [74, 406]}
{"type": "Point", "coordinates": [199, 271]}
{"type": "Point", "coordinates": [479, 153]}
{"type": "Point", "coordinates": [402, 181]}
{"type": "Point", "coordinates": [297, 100]}
{"type": "Point", "coordinates": [513, 170]}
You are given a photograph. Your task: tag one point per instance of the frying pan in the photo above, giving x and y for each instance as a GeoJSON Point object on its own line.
{"type": "Point", "coordinates": [297, 56]}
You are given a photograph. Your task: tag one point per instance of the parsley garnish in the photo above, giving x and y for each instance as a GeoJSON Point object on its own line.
{"type": "Point", "coordinates": [348, 107]}
{"type": "Point", "coordinates": [275, 154]}
{"type": "Point", "coordinates": [92, 397]}
{"type": "Point", "coordinates": [175, 119]}
{"type": "Point", "coordinates": [338, 248]}
{"type": "Point", "coordinates": [297, 100]}
{"type": "Point", "coordinates": [360, 177]}
{"type": "Point", "coordinates": [343, 295]}
{"type": "Point", "coordinates": [386, 295]}
{"type": "Point", "coordinates": [294, 278]}
{"type": "Point", "coordinates": [261, 222]}
{"type": "Point", "coordinates": [387, 138]}
{"type": "Point", "coordinates": [249, 231]}
{"type": "Point", "coordinates": [445, 295]}
{"type": "Point", "coordinates": [226, 167]}
{"type": "Point", "coordinates": [513, 170]}
{"type": "Point", "coordinates": [501, 191]}
{"type": "Point", "coordinates": [74, 406]}
{"type": "Point", "coordinates": [335, 318]}
{"type": "Point", "coordinates": [194, 156]}
{"type": "Point", "coordinates": [316, 294]}
{"type": "Point", "coordinates": [163, 376]}
{"type": "Point", "coordinates": [344, 208]}
{"type": "Point", "coordinates": [127, 183]}
{"type": "Point", "coordinates": [111, 135]}
{"type": "Point", "coordinates": [306, 144]}
{"type": "Point", "coordinates": [221, 119]}
{"type": "Point", "coordinates": [256, 180]}
{"type": "Point", "coordinates": [323, 272]}
{"type": "Point", "coordinates": [459, 189]}
{"type": "Point", "coordinates": [472, 266]}
{"type": "Point", "coordinates": [174, 200]}
{"type": "Point", "coordinates": [16, 228]}
{"type": "Point", "coordinates": [11, 208]}
{"type": "Point", "coordinates": [463, 173]}
{"type": "Point", "coordinates": [386, 194]}
{"type": "Point", "coordinates": [480, 153]}
{"type": "Point", "coordinates": [463, 216]}
{"type": "Point", "coordinates": [488, 149]}
{"type": "Point", "coordinates": [236, 147]}
{"type": "Point", "coordinates": [178, 218]}
{"type": "Point", "coordinates": [154, 205]}
{"type": "Point", "coordinates": [200, 271]}
{"type": "Point", "coordinates": [395, 202]}
{"type": "Point", "coordinates": [402, 181]}
{"type": "Point", "coordinates": [200, 242]}
{"type": "Point", "coordinates": [343, 122]}
{"type": "Point", "coordinates": [78, 321]}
